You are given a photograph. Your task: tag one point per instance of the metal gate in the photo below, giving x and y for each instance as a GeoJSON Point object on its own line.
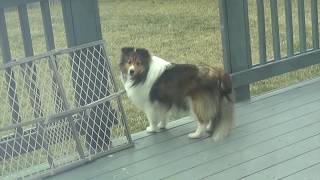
{"type": "Point", "coordinates": [47, 125]}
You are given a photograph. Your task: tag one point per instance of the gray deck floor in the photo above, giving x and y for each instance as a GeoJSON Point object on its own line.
{"type": "Point", "coordinates": [276, 136]}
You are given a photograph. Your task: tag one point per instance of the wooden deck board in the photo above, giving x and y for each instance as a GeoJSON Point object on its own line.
{"type": "Point", "coordinates": [281, 170]}
{"type": "Point", "coordinates": [196, 164]}
{"type": "Point", "coordinates": [309, 173]}
{"type": "Point", "coordinates": [275, 136]}
{"type": "Point", "coordinates": [274, 156]}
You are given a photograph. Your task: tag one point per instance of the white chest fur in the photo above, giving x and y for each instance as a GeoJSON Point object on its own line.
{"type": "Point", "coordinates": [139, 94]}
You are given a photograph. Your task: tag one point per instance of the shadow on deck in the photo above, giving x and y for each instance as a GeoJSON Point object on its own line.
{"type": "Point", "coordinates": [276, 136]}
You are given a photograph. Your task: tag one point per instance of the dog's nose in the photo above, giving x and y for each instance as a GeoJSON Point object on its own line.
{"type": "Point", "coordinates": [131, 72]}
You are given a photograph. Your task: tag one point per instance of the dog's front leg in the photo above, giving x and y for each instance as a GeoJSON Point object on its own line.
{"type": "Point", "coordinates": [163, 118]}
{"type": "Point", "coordinates": [163, 123]}
{"type": "Point", "coordinates": [153, 121]}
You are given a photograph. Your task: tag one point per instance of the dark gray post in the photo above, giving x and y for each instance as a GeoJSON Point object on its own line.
{"type": "Point", "coordinates": [82, 21]}
{"type": "Point", "coordinates": [82, 25]}
{"type": "Point", "coordinates": [236, 40]}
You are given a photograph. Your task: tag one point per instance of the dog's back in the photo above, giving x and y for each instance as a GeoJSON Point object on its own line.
{"type": "Point", "coordinates": [205, 90]}
{"type": "Point", "coordinates": [180, 81]}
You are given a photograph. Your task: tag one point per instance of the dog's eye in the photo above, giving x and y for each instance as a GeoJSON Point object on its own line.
{"type": "Point", "coordinates": [129, 62]}
{"type": "Point", "coordinates": [138, 63]}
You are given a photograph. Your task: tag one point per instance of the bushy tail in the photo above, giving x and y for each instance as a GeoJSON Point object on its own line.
{"type": "Point", "coordinates": [221, 124]}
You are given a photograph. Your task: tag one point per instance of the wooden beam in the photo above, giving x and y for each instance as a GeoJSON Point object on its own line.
{"type": "Point", "coordinates": [274, 68]}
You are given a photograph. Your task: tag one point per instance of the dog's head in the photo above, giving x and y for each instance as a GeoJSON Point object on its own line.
{"type": "Point", "coordinates": [134, 64]}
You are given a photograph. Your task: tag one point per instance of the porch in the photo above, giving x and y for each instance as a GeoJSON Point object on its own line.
{"type": "Point", "coordinates": [58, 115]}
{"type": "Point", "coordinates": [276, 136]}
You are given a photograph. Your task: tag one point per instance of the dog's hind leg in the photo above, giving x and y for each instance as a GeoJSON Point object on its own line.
{"type": "Point", "coordinates": [196, 113]}
{"type": "Point", "coordinates": [200, 132]}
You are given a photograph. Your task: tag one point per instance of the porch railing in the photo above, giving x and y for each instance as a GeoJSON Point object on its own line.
{"type": "Point", "coordinates": [235, 27]}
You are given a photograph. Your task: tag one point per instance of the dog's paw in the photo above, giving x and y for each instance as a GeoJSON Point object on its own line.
{"type": "Point", "coordinates": [152, 129]}
{"type": "Point", "coordinates": [195, 135]}
{"type": "Point", "coordinates": [162, 125]}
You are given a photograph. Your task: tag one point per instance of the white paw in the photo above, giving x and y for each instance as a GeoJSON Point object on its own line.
{"type": "Point", "coordinates": [162, 125]}
{"type": "Point", "coordinates": [152, 129]}
{"type": "Point", "coordinates": [195, 135]}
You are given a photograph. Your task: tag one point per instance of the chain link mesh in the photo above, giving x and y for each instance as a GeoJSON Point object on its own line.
{"type": "Point", "coordinates": [57, 109]}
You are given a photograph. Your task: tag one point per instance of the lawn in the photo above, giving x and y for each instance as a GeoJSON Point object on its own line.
{"type": "Point", "coordinates": [182, 31]}
{"type": "Point", "coordinates": [188, 31]}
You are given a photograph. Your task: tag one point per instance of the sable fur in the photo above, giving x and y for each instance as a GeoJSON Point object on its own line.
{"type": "Point", "coordinates": [158, 87]}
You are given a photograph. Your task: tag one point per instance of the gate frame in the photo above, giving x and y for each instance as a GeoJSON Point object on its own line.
{"type": "Point", "coordinates": [82, 28]}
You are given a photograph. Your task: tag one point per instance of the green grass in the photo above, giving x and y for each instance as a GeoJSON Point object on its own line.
{"type": "Point", "coordinates": [188, 31]}
{"type": "Point", "coordinates": [182, 31]}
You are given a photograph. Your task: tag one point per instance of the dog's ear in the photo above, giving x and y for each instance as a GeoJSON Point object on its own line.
{"type": "Point", "coordinates": [143, 53]}
{"type": "Point", "coordinates": [127, 50]}
{"type": "Point", "coordinates": [125, 53]}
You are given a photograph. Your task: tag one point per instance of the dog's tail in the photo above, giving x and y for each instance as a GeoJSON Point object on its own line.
{"type": "Point", "coordinates": [222, 123]}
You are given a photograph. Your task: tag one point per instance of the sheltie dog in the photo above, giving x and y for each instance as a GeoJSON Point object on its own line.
{"type": "Point", "coordinates": [158, 88]}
